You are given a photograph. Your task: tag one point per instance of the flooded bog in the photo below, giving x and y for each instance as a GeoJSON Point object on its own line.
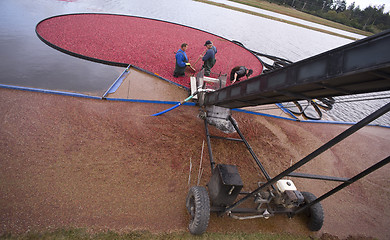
{"type": "Point", "coordinates": [149, 44]}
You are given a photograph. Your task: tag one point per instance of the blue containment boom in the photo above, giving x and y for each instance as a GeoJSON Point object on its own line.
{"type": "Point", "coordinates": [359, 67]}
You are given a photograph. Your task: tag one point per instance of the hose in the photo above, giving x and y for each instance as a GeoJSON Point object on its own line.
{"type": "Point", "coordinates": [177, 105]}
{"type": "Point", "coordinates": [185, 100]}
{"type": "Point", "coordinates": [277, 61]}
{"type": "Point", "coordinates": [318, 111]}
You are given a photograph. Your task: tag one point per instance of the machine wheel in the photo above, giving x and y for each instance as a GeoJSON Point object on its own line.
{"type": "Point", "coordinates": [315, 213]}
{"type": "Point", "coordinates": [198, 206]}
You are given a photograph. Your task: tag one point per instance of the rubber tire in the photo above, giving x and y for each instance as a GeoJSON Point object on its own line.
{"type": "Point", "coordinates": [315, 213]}
{"type": "Point", "coordinates": [198, 206]}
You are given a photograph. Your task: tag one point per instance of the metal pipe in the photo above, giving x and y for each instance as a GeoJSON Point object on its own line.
{"type": "Point", "coordinates": [212, 163]}
{"type": "Point", "coordinates": [250, 149]}
{"type": "Point", "coordinates": [225, 138]}
{"type": "Point", "coordinates": [317, 152]}
{"type": "Point", "coordinates": [265, 215]}
{"type": "Point", "coordinates": [319, 177]}
{"type": "Point", "coordinates": [343, 185]}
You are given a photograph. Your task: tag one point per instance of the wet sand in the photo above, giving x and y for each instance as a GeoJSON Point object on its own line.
{"type": "Point", "coordinates": [99, 165]}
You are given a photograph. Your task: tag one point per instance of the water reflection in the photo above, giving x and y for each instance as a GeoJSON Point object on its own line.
{"type": "Point", "coordinates": [26, 61]}
{"type": "Point", "coordinates": [29, 62]}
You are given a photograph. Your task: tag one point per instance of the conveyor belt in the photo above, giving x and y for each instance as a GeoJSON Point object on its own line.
{"type": "Point", "coordinates": [359, 67]}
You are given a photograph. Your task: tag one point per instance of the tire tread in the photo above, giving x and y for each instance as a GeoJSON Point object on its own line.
{"type": "Point", "coordinates": [199, 223]}
{"type": "Point", "coordinates": [315, 212]}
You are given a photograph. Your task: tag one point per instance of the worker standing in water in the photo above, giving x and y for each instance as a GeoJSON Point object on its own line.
{"type": "Point", "coordinates": [181, 61]}
{"type": "Point", "coordinates": [239, 72]}
{"type": "Point", "coordinates": [209, 58]}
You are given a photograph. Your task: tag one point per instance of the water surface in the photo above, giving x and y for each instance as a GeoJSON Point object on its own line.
{"type": "Point", "coordinates": [26, 61]}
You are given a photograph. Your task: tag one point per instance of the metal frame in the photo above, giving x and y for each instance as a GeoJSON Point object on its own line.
{"type": "Point", "coordinates": [359, 67]}
{"type": "Point", "coordinates": [290, 171]}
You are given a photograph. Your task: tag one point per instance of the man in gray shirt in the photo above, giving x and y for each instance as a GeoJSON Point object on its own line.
{"type": "Point", "coordinates": [209, 58]}
{"type": "Point", "coordinates": [238, 72]}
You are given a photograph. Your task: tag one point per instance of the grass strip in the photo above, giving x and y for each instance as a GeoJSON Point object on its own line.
{"type": "Point", "coordinates": [275, 18]}
{"type": "Point", "coordinates": [77, 234]}
{"type": "Point", "coordinates": [301, 15]}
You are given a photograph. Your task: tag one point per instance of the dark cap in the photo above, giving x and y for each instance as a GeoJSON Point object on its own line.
{"type": "Point", "coordinates": [207, 42]}
{"type": "Point", "coordinates": [249, 72]}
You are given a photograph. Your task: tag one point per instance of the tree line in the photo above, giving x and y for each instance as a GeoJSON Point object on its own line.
{"type": "Point", "coordinates": [372, 18]}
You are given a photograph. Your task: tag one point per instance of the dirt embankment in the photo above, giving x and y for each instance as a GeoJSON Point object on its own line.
{"type": "Point", "coordinates": [73, 162]}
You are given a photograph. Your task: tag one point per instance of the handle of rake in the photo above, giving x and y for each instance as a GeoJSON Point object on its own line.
{"type": "Point", "coordinates": [200, 57]}
{"type": "Point", "coordinates": [193, 69]}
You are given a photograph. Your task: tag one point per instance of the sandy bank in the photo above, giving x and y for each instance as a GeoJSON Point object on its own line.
{"type": "Point", "coordinates": [73, 162]}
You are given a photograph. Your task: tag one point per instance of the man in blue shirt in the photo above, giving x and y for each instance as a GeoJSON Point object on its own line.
{"type": "Point", "coordinates": [181, 61]}
{"type": "Point", "coordinates": [209, 58]}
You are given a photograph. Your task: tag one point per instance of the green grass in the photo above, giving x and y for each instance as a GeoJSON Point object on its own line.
{"type": "Point", "coordinates": [289, 12]}
{"type": "Point", "coordinates": [84, 235]}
